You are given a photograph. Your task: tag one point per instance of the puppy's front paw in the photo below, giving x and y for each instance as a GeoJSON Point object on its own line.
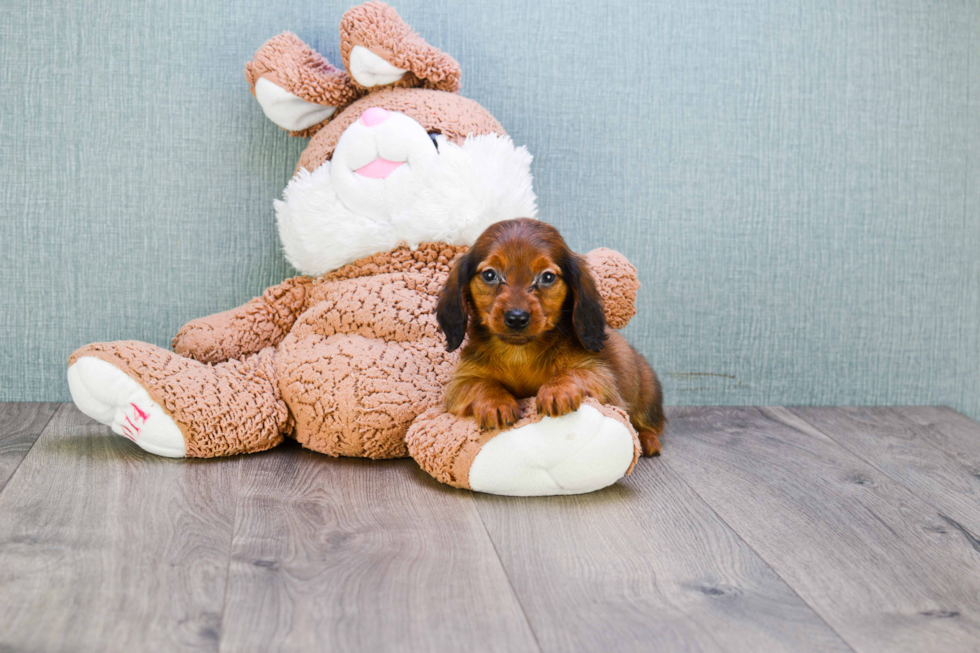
{"type": "Point", "coordinates": [496, 412]}
{"type": "Point", "coordinates": [560, 399]}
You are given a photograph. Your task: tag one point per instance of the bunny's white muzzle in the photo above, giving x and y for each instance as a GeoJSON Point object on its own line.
{"type": "Point", "coordinates": [389, 183]}
{"type": "Point", "coordinates": [379, 163]}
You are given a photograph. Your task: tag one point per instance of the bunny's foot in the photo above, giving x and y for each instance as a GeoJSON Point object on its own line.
{"type": "Point", "coordinates": [110, 396]}
{"type": "Point", "coordinates": [175, 406]}
{"type": "Point", "coordinates": [576, 453]}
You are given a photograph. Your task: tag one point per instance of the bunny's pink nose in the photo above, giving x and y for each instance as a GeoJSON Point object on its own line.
{"type": "Point", "coordinates": [374, 116]}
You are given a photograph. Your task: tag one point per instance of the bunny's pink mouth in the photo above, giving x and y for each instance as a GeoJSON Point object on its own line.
{"type": "Point", "coordinates": [379, 168]}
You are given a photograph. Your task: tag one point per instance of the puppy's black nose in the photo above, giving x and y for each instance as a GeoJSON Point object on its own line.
{"type": "Point", "coordinates": [516, 319]}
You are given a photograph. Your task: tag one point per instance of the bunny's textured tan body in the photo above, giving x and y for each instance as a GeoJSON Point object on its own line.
{"type": "Point", "coordinates": [344, 363]}
{"type": "Point", "coordinates": [400, 176]}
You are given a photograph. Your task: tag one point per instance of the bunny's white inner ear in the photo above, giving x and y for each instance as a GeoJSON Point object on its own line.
{"type": "Point", "coordinates": [287, 110]}
{"type": "Point", "coordinates": [368, 69]}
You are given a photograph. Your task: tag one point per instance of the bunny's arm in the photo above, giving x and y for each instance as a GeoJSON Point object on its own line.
{"type": "Point", "coordinates": [257, 324]}
{"type": "Point", "coordinates": [617, 283]}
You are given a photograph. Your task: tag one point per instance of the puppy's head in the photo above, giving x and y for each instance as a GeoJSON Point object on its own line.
{"type": "Point", "coordinates": [518, 282]}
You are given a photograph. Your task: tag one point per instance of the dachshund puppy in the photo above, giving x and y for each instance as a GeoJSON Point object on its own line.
{"type": "Point", "coordinates": [536, 329]}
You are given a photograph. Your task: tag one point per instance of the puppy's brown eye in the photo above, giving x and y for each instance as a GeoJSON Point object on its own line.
{"type": "Point", "coordinates": [432, 137]}
{"type": "Point", "coordinates": [547, 279]}
{"type": "Point", "coordinates": [489, 276]}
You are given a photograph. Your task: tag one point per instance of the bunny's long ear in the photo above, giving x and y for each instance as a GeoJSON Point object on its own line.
{"type": "Point", "coordinates": [297, 88]}
{"type": "Point", "coordinates": [380, 49]}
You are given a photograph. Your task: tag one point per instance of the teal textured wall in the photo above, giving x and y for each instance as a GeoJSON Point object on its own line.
{"type": "Point", "coordinates": [798, 182]}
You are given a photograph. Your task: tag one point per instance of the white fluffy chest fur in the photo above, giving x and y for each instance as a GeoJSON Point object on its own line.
{"type": "Point", "coordinates": [463, 191]}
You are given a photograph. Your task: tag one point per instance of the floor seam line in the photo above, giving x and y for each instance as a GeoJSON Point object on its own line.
{"type": "Point", "coordinates": [939, 511]}
{"type": "Point", "coordinates": [710, 507]}
{"type": "Point", "coordinates": [31, 448]}
{"type": "Point", "coordinates": [510, 583]}
{"type": "Point", "coordinates": [231, 546]}
{"type": "Point", "coordinates": [932, 445]}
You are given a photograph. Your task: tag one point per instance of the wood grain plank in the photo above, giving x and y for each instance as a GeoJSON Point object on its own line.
{"type": "Point", "coordinates": [909, 452]}
{"type": "Point", "coordinates": [953, 433]}
{"type": "Point", "coordinates": [20, 426]}
{"type": "Point", "coordinates": [106, 548]}
{"type": "Point", "coordinates": [360, 555]}
{"type": "Point", "coordinates": [645, 565]}
{"type": "Point", "coordinates": [874, 560]}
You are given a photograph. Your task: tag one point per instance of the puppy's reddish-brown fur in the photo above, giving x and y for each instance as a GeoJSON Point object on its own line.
{"type": "Point", "coordinates": [536, 329]}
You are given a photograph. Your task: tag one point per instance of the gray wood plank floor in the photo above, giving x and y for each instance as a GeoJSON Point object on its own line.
{"type": "Point", "coordinates": [20, 425]}
{"type": "Point", "coordinates": [773, 529]}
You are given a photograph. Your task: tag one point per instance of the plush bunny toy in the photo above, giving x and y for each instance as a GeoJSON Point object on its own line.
{"type": "Point", "coordinates": [401, 174]}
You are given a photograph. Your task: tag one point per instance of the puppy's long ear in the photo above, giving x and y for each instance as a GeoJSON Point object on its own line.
{"type": "Point", "coordinates": [588, 317]}
{"type": "Point", "coordinates": [451, 311]}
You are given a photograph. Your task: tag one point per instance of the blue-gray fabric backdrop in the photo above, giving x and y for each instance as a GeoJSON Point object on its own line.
{"type": "Point", "coordinates": [798, 182]}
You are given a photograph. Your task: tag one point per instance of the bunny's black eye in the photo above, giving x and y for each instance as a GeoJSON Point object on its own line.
{"type": "Point", "coordinates": [489, 276]}
{"type": "Point", "coordinates": [547, 279]}
{"type": "Point", "coordinates": [432, 137]}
